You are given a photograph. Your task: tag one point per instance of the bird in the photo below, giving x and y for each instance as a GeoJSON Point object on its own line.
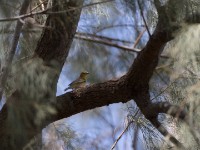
{"type": "Point", "coordinates": [79, 82]}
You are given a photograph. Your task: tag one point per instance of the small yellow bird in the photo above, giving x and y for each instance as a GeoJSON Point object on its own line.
{"type": "Point", "coordinates": [79, 82]}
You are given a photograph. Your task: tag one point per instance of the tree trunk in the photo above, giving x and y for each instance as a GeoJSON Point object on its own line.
{"type": "Point", "coordinates": [35, 95]}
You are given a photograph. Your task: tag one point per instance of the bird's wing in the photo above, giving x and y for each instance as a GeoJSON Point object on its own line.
{"type": "Point", "coordinates": [76, 84]}
{"type": "Point", "coordinates": [77, 81]}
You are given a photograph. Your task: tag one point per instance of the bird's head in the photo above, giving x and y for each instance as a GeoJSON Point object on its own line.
{"type": "Point", "coordinates": [84, 75]}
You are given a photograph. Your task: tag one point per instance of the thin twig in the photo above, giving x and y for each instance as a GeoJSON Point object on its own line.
{"type": "Point", "coordinates": [11, 53]}
{"type": "Point", "coordinates": [47, 11]}
{"type": "Point", "coordinates": [167, 87]}
{"type": "Point", "coordinates": [103, 37]}
{"type": "Point", "coordinates": [113, 146]}
{"type": "Point", "coordinates": [106, 42]}
{"type": "Point", "coordinates": [138, 38]}
{"type": "Point", "coordinates": [161, 78]}
{"type": "Point", "coordinates": [144, 19]}
{"type": "Point", "coordinates": [116, 26]}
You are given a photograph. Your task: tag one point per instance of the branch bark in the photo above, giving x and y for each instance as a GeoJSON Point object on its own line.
{"type": "Point", "coordinates": [133, 85]}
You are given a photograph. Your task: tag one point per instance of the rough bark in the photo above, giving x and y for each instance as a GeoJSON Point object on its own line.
{"type": "Point", "coordinates": [18, 116]}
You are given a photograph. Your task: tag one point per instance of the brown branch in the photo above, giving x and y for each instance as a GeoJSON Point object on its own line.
{"type": "Point", "coordinates": [102, 37]}
{"type": "Point", "coordinates": [98, 39]}
{"type": "Point", "coordinates": [144, 18]}
{"type": "Point", "coordinates": [133, 85]}
{"type": "Point", "coordinates": [106, 42]}
{"type": "Point", "coordinates": [138, 38]}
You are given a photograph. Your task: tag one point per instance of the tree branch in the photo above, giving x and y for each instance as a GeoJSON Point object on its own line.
{"type": "Point", "coordinates": [106, 41]}
{"type": "Point", "coordinates": [47, 11]}
{"type": "Point", "coordinates": [141, 12]}
{"type": "Point", "coordinates": [133, 85]}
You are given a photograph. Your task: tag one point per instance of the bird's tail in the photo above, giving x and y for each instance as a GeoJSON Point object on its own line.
{"type": "Point", "coordinates": [67, 89]}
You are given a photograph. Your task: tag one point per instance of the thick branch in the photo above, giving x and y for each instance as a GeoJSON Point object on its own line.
{"type": "Point", "coordinates": [96, 95]}
{"type": "Point", "coordinates": [134, 85]}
